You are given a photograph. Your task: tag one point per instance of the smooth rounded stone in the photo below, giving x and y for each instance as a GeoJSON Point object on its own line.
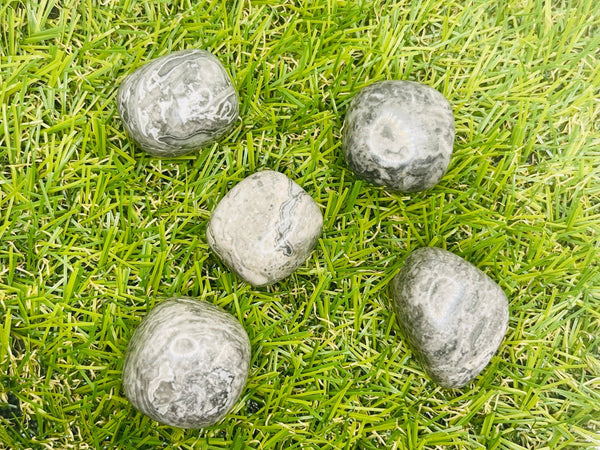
{"type": "Point", "coordinates": [399, 134]}
{"type": "Point", "coordinates": [452, 314]}
{"type": "Point", "coordinates": [187, 363]}
{"type": "Point", "coordinates": [265, 227]}
{"type": "Point", "coordinates": [178, 103]}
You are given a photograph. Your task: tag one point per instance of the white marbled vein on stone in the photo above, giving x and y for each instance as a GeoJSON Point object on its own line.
{"type": "Point", "coordinates": [178, 103]}
{"type": "Point", "coordinates": [399, 134]}
{"type": "Point", "coordinates": [265, 227]}
{"type": "Point", "coordinates": [187, 363]}
{"type": "Point", "coordinates": [452, 314]}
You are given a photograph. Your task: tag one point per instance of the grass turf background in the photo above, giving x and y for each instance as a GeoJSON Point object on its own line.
{"type": "Point", "coordinates": [93, 233]}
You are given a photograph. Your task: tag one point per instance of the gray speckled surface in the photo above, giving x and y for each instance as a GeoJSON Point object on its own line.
{"type": "Point", "coordinates": [399, 134]}
{"type": "Point", "coordinates": [452, 314]}
{"type": "Point", "coordinates": [178, 103]}
{"type": "Point", "coordinates": [265, 227]}
{"type": "Point", "coordinates": [187, 363]}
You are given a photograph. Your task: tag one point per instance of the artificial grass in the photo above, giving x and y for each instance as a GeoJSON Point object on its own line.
{"type": "Point", "coordinates": [94, 233]}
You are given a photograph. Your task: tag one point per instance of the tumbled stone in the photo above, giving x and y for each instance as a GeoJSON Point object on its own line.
{"type": "Point", "coordinates": [452, 314]}
{"type": "Point", "coordinates": [187, 363]}
{"type": "Point", "coordinates": [265, 227]}
{"type": "Point", "coordinates": [399, 134]}
{"type": "Point", "coordinates": [178, 103]}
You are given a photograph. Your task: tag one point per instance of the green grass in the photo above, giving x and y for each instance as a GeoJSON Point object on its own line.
{"type": "Point", "coordinates": [94, 233]}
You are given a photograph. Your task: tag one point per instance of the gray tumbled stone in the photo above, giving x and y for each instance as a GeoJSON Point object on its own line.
{"type": "Point", "coordinates": [452, 314]}
{"type": "Point", "coordinates": [265, 227]}
{"type": "Point", "coordinates": [399, 134]}
{"type": "Point", "coordinates": [178, 103]}
{"type": "Point", "coordinates": [187, 363]}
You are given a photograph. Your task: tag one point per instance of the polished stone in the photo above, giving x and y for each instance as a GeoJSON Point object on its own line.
{"type": "Point", "coordinates": [187, 363]}
{"type": "Point", "coordinates": [265, 227]}
{"type": "Point", "coordinates": [399, 134]}
{"type": "Point", "coordinates": [452, 314]}
{"type": "Point", "coordinates": [178, 103]}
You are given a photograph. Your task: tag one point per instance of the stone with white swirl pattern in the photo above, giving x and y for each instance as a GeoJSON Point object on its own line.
{"type": "Point", "coordinates": [399, 134]}
{"type": "Point", "coordinates": [451, 313]}
{"type": "Point", "coordinates": [187, 363]}
{"type": "Point", "coordinates": [265, 227]}
{"type": "Point", "coordinates": [178, 103]}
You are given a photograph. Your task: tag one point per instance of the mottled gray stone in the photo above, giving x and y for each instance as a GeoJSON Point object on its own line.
{"type": "Point", "coordinates": [399, 134]}
{"type": "Point", "coordinates": [265, 227]}
{"type": "Point", "coordinates": [178, 103]}
{"type": "Point", "coordinates": [187, 363]}
{"type": "Point", "coordinates": [452, 314]}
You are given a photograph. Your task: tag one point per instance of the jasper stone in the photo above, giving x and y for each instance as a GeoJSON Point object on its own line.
{"type": "Point", "coordinates": [178, 103]}
{"type": "Point", "coordinates": [452, 314]}
{"type": "Point", "coordinates": [399, 134]}
{"type": "Point", "coordinates": [187, 363]}
{"type": "Point", "coordinates": [265, 227]}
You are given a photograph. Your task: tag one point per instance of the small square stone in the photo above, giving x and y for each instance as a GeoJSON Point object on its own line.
{"type": "Point", "coordinates": [265, 227]}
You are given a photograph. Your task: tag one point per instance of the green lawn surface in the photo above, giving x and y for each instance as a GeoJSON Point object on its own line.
{"type": "Point", "coordinates": [94, 233]}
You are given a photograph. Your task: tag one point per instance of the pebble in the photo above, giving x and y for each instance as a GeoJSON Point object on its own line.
{"type": "Point", "coordinates": [265, 227]}
{"type": "Point", "coordinates": [178, 103]}
{"type": "Point", "coordinates": [399, 134]}
{"type": "Point", "coordinates": [187, 363]}
{"type": "Point", "coordinates": [452, 314]}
